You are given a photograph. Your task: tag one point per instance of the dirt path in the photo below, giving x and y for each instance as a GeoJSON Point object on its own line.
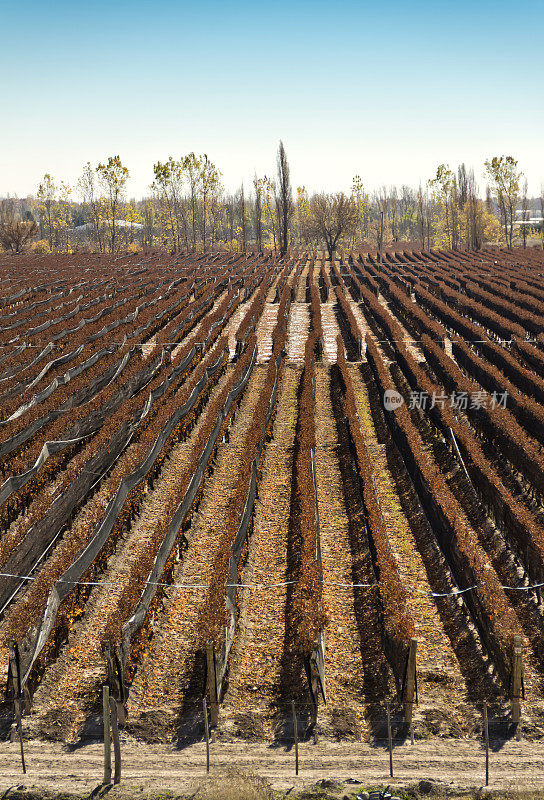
{"type": "Point", "coordinates": [170, 672]}
{"type": "Point", "coordinates": [72, 681]}
{"type": "Point", "coordinates": [297, 332]}
{"type": "Point", "coordinates": [265, 326]}
{"type": "Point", "coordinates": [349, 684]}
{"type": "Point", "coordinates": [454, 764]}
{"type": "Point", "coordinates": [234, 324]}
{"type": "Point", "coordinates": [330, 331]}
{"type": "Point", "coordinates": [435, 654]}
{"type": "Point", "coordinates": [413, 348]}
{"type": "Point", "coordinates": [359, 316]}
{"type": "Point", "coordinates": [301, 285]}
{"type": "Point", "coordinates": [258, 658]}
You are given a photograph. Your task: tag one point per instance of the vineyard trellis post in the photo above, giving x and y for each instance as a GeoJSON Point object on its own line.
{"type": "Point", "coordinates": [516, 687]}
{"type": "Point", "coordinates": [206, 732]}
{"type": "Point", "coordinates": [116, 740]}
{"type": "Point", "coordinates": [211, 684]}
{"type": "Point", "coordinates": [486, 734]}
{"type": "Point", "coordinates": [409, 694]}
{"type": "Point", "coordinates": [117, 696]}
{"type": "Point", "coordinates": [15, 676]}
{"type": "Point", "coordinates": [295, 731]}
{"type": "Point", "coordinates": [389, 739]}
{"type": "Point", "coordinates": [107, 735]}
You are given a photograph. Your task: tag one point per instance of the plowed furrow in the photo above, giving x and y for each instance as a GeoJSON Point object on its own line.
{"type": "Point", "coordinates": [354, 663]}
{"type": "Point", "coordinates": [260, 678]}
{"type": "Point", "coordinates": [234, 324]}
{"type": "Point", "coordinates": [171, 672]}
{"type": "Point", "coordinates": [330, 331]}
{"type": "Point", "coordinates": [70, 682]}
{"type": "Point", "coordinates": [413, 349]}
{"type": "Point", "coordinates": [359, 316]}
{"type": "Point", "coordinates": [435, 653]}
{"type": "Point", "coordinates": [265, 327]}
{"type": "Point", "coordinates": [299, 320]}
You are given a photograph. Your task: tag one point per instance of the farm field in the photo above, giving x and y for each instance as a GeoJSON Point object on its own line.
{"type": "Point", "coordinates": [263, 479]}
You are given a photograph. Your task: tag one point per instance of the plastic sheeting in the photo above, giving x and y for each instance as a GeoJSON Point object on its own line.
{"type": "Point", "coordinates": [33, 548]}
{"type": "Point", "coordinates": [318, 656]}
{"type": "Point", "coordinates": [57, 362]}
{"type": "Point", "coordinates": [77, 569]}
{"type": "Point", "coordinates": [239, 539]}
{"type": "Point", "coordinates": [81, 397]}
{"type": "Point", "coordinates": [16, 482]}
{"type": "Point", "coordinates": [135, 622]}
{"type": "Point", "coordinates": [10, 353]}
{"type": "Point", "coordinates": [10, 372]}
{"type": "Point", "coordinates": [459, 566]}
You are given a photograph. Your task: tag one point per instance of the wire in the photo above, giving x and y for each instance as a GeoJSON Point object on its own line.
{"type": "Point", "coordinates": [454, 593]}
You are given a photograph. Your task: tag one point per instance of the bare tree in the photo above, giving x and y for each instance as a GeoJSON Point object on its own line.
{"type": "Point", "coordinates": [524, 214]}
{"type": "Point", "coordinates": [284, 199]}
{"type": "Point", "coordinates": [407, 209]}
{"type": "Point", "coordinates": [504, 175]}
{"type": "Point", "coordinates": [331, 217]}
{"type": "Point", "coordinates": [14, 232]}
{"type": "Point", "coordinates": [424, 218]}
{"type": "Point", "coordinates": [210, 183]}
{"type": "Point", "coordinates": [191, 166]}
{"type": "Point", "coordinates": [46, 197]}
{"type": "Point", "coordinates": [243, 218]}
{"type": "Point", "coordinates": [393, 201]}
{"type": "Point", "coordinates": [462, 185]}
{"type": "Point", "coordinates": [87, 189]}
{"type": "Point", "coordinates": [258, 218]}
{"type": "Point", "coordinates": [473, 210]}
{"type": "Point", "coordinates": [542, 214]}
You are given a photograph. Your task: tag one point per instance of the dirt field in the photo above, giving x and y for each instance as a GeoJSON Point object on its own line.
{"type": "Point", "coordinates": [452, 765]}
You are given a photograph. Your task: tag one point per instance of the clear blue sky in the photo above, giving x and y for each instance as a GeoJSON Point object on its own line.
{"type": "Point", "coordinates": [385, 89]}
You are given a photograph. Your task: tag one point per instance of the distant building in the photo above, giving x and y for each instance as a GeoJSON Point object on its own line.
{"type": "Point", "coordinates": [120, 223]}
{"type": "Point", "coordinates": [126, 231]}
{"type": "Point", "coordinates": [528, 218]}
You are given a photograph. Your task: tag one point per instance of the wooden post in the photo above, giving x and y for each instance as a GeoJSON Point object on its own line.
{"type": "Point", "coordinates": [17, 696]}
{"type": "Point", "coordinates": [295, 728]}
{"type": "Point", "coordinates": [486, 733]}
{"type": "Point", "coordinates": [389, 739]}
{"type": "Point", "coordinates": [207, 733]}
{"type": "Point", "coordinates": [516, 680]}
{"type": "Point", "coordinates": [410, 683]}
{"type": "Point", "coordinates": [211, 681]}
{"type": "Point", "coordinates": [359, 347]}
{"type": "Point", "coordinates": [107, 736]}
{"type": "Point", "coordinates": [116, 741]}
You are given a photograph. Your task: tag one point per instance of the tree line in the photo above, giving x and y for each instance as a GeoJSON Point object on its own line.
{"type": "Point", "coordinates": [188, 208]}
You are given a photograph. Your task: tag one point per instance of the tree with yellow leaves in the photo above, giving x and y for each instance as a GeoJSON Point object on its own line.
{"type": "Point", "coordinates": [113, 177]}
{"type": "Point", "coordinates": [46, 197]}
{"type": "Point", "coordinates": [444, 187]}
{"type": "Point", "coordinates": [303, 215]}
{"type": "Point", "coordinates": [269, 215]}
{"type": "Point", "coordinates": [505, 178]}
{"type": "Point", "coordinates": [209, 182]}
{"type": "Point", "coordinates": [360, 199]}
{"type": "Point", "coordinates": [92, 203]}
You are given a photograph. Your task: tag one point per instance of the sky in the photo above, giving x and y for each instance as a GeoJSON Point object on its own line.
{"type": "Point", "coordinates": [386, 90]}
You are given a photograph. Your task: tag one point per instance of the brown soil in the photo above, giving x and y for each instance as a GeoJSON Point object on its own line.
{"type": "Point", "coordinates": [451, 765]}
